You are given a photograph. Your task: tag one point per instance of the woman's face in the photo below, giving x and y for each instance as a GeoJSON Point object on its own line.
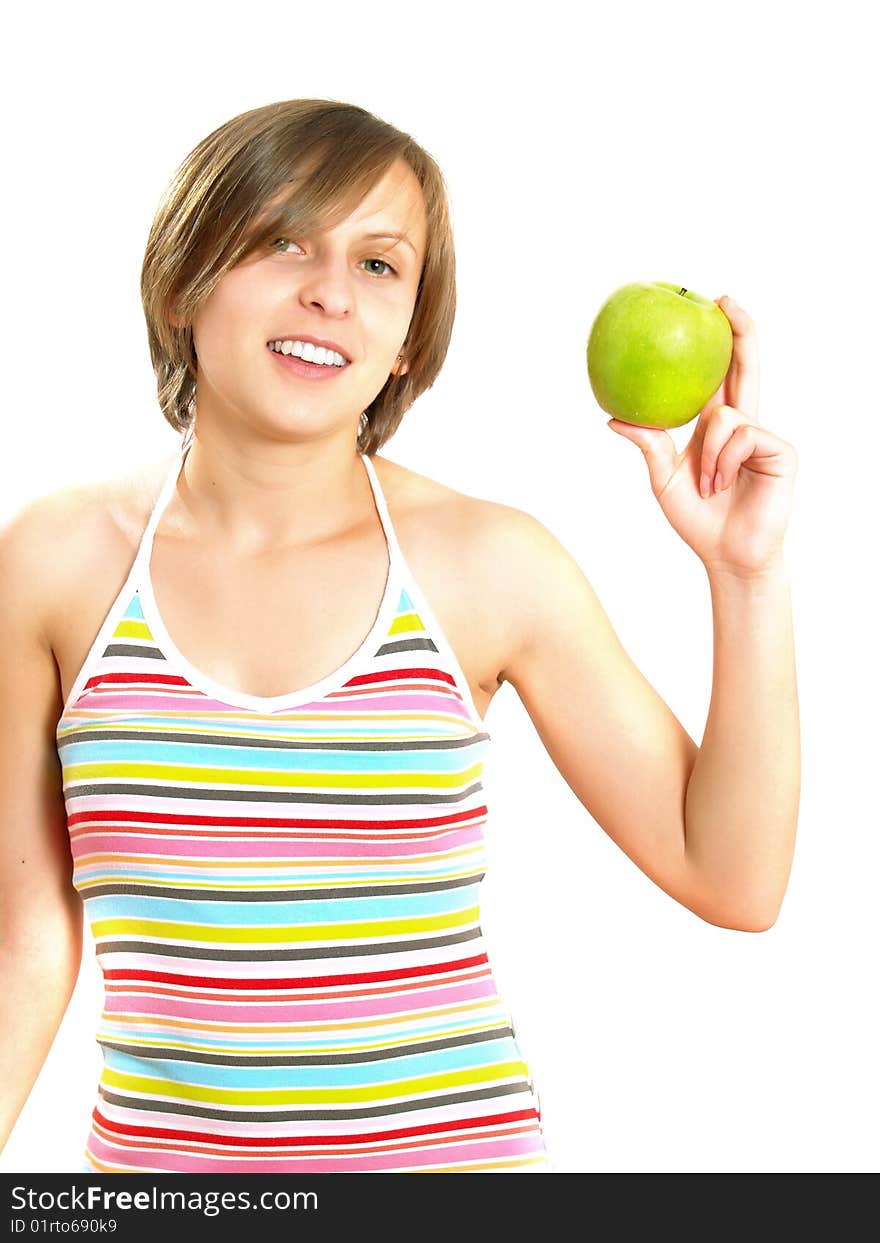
{"type": "Point", "coordinates": [338, 285]}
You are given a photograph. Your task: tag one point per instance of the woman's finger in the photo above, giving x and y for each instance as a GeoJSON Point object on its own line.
{"type": "Point", "coordinates": [743, 378]}
{"type": "Point", "coordinates": [720, 427]}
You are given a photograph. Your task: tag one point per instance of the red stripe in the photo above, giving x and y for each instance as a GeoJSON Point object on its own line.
{"type": "Point", "coordinates": [394, 675]}
{"type": "Point", "coordinates": [171, 679]}
{"type": "Point", "coordinates": [129, 679]}
{"type": "Point", "coordinates": [279, 1141]}
{"type": "Point", "coordinates": [317, 981]}
{"type": "Point", "coordinates": [262, 822]}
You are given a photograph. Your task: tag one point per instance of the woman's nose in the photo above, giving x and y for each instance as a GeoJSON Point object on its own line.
{"type": "Point", "coordinates": [328, 283]}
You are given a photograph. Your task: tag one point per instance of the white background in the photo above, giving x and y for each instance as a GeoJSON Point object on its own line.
{"type": "Point", "coordinates": [729, 147]}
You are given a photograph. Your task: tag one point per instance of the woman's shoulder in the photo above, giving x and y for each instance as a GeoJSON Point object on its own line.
{"type": "Point", "coordinates": [71, 516]}
{"type": "Point", "coordinates": [108, 501]}
{"type": "Point", "coordinates": [80, 532]}
{"type": "Point", "coordinates": [420, 498]}
{"type": "Point", "coordinates": [462, 543]}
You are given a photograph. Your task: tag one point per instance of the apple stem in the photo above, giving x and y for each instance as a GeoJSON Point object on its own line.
{"type": "Point", "coordinates": [682, 292]}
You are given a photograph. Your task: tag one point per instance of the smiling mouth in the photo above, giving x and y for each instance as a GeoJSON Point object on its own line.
{"type": "Point", "coordinates": [319, 356]}
{"type": "Point", "coordinates": [305, 370]}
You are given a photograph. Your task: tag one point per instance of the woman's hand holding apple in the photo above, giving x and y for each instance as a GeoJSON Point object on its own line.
{"type": "Point", "coordinates": [736, 522]}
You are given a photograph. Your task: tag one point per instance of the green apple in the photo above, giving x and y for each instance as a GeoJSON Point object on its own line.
{"type": "Point", "coordinates": [657, 352]}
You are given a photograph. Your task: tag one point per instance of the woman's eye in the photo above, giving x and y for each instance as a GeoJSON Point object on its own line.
{"type": "Point", "coordinates": [285, 241]}
{"type": "Point", "coordinates": [385, 261]}
{"type": "Point", "coordinates": [282, 243]}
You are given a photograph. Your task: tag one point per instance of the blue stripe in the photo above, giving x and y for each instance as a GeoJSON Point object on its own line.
{"type": "Point", "coordinates": [188, 754]}
{"type": "Point", "coordinates": [275, 914]}
{"type": "Point", "coordinates": [437, 1061]}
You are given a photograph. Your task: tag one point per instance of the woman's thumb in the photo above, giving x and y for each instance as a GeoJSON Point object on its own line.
{"type": "Point", "coordinates": [657, 446]}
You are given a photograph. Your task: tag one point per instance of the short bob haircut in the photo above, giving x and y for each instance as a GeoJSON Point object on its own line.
{"type": "Point", "coordinates": [296, 166]}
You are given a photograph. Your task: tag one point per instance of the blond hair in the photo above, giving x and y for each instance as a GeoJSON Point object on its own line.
{"type": "Point", "coordinates": [214, 214]}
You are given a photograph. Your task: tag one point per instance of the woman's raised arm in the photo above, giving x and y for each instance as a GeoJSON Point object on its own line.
{"type": "Point", "coordinates": [714, 825]}
{"type": "Point", "coordinates": [626, 755]}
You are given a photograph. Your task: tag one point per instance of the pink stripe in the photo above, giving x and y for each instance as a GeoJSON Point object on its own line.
{"type": "Point", "coordinates": [174, 841]}
{"type": "Point", "coordinates": [298, 1012]}
{"type": "Point", "coordinates": [440, 1154]}
{"type": "Point", "coordinates": [182, 701]}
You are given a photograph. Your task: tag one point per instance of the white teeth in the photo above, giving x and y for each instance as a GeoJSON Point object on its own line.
{"type": "Point", "coordinates": [309, 353]}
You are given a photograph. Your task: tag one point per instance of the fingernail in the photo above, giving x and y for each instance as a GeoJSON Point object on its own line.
{"type": "Point", "coordinates": [704, 485]}
{"type": "Point", "coordinates": [718, 481]}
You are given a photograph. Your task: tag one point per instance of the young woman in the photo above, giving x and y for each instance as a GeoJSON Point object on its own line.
{"type": "Point", "coordinates": [251, 715]}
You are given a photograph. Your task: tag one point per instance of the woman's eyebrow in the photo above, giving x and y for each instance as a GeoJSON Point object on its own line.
{"type": "Point", "coordinates": [379, 235]}
{"type": "Point", "coordinates": [401, 237]}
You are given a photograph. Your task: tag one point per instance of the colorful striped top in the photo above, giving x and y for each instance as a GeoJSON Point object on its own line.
{"type": "Point", "coordinates": [284, 897]}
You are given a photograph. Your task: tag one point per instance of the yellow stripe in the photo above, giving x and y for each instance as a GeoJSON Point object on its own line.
{"type": "Point", "coordinates": [400, 1088]}
{"type": "Point", "coordinates": [132, 628]}
{"type": "Point", "coordinates": [405, 622]}
{"type": "Point", "coordinates": [193, 774]}
{"type": "Point", "coordinates": [170, 930]}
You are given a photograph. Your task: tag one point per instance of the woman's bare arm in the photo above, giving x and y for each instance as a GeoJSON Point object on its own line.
{"type": "Point", "coordinates": [40, 911]}
{"type": "Point", "coordinates": [714, 825]}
